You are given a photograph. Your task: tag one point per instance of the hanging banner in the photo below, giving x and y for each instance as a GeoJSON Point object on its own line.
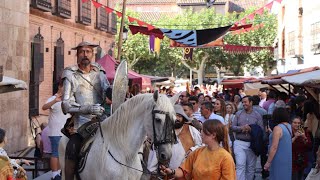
{"type": "Point", "coordinates": [239, 49]}
{"type": "Point", "coordinates": [187, 53]}
{"type": "Point", "coordinates": [218, 42]}
{"type": "Point", "coordinates": [157, 44]}
{"type": "Point", "coordinates": [244, 30]}
{"type": "Point", "coordinates": [144, 30]}
{"type": "Point", "coordinates": [194, 38]}
{"type": "Point", "coordinates": [151, 43]}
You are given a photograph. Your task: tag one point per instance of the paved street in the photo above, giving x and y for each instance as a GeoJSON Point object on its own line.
{"type": "Point", "coordinates": [47, 175]}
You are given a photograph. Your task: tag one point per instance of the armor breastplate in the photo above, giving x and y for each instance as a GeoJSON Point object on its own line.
{"type": "Point", "coordinates": [87, 94]}
{"type": "Point", "coordinates": [84, 92]}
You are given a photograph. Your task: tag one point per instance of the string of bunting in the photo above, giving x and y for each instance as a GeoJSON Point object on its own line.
{"type": "Point", "coordinates": [239, 49]}
{"type": "Point", "coordinates": [259, 11]}
{"type": "Point", "coordinates": [247, 29]}
{"type": "Point", "coordinates": [119, 14]}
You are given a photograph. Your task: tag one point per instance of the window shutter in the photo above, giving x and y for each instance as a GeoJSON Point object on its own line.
{"type": "Point", "coordinates": [102, 22]}
{"type": "Point", "coordinates": [84, 12]}
{"type": "Point", "coordinates": [58, 63]}
{"type": "Point", "coordinates": [114, 23]}
{"type": "Point", "coordinates": [36, 73]}
{"type": "Point", "coordinates": [63, 8]}
{"type": "Point", "coordinates": [34, 84]}
{"type": "Point", "coordinates": [44, 5]}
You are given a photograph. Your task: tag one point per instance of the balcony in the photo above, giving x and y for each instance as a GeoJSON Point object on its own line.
{"type": "Point", "coordinates": [43, 5]}
{"type": "Point", "coordinates": [64, 13]}
{"type": "Point", "coordinates": [102, 27]}
{"type": "Point", "coordinates": [84, 20]}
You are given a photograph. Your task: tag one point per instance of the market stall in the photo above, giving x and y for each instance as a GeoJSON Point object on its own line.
{"type": "Point", "coordinates": [108, 63]}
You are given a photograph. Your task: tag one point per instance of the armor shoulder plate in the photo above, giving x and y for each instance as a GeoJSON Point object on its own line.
{"type": "Point", "coordinates": [99, 67]}
{"type": "Point", "coordinates": [68, 72]}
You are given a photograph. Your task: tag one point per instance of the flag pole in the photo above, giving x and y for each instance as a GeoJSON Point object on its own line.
{"type": "Point", "coordinates": [121, 30]}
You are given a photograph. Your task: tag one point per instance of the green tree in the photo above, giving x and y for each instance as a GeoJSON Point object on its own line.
{"type": "Point", "coordinates": [263, 36]}
{"type": "Point", "coordinates": [171, 62]}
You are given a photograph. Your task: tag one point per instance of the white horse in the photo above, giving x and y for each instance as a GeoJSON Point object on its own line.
{"type": "Point", "coordinates": [124, 133]}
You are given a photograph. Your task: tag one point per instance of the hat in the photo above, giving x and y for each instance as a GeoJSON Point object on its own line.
{"type": "Point", "coordinates": [84, 43]}
{"type": "Point", "coordinates": [179, 110]}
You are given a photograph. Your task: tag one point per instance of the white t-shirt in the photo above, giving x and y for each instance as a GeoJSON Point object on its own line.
{"type": "Point", "coordinates": [56, 118]}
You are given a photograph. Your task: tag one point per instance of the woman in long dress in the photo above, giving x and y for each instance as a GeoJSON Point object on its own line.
{"type": "Point", "coordinates": [280, 151]}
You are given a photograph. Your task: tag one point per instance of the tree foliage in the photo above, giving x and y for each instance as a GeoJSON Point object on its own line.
{"type": "Point", "coordinates": [171, 62]}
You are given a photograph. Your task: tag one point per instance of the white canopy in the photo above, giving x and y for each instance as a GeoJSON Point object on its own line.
{"type": "Point", "coordinates": [311, 79]}
{"type": "Point", "coordinates": [9, 84]}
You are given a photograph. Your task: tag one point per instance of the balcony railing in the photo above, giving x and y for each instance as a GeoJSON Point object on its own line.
{"type": "Point", "coordinates": [42, 5]}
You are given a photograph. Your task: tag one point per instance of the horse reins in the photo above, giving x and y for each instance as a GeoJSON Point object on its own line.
{"type": "Point", "coordinates": [169, 137]}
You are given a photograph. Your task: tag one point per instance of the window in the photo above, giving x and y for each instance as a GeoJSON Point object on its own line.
{"type": "Point", "coordinates": [315, 36]}
{"type": "Point", "coordinates": [102, 20]}
{"type": "Point", "coordinates": [291, 44]}
{"type": "Point", "coordinates": [44, 5]}
{"type": "Point", "coordinates": [113, 26]}
{"type": "Point", "coordinates": [85, 12]}
{"type": "Point", "coordinates": [36, 73]}
{"type": "Point", "coordinates": [58, 64]}
{"type": "Point", "coordinates": [63, 8]}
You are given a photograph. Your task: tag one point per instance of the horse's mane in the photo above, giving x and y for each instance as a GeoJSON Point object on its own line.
{"type": "Point", "coordinates": [116, 127]}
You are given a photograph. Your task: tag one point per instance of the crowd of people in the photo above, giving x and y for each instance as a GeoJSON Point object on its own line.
{"type": "Point", "coordinates": [287, 128]}
{"type": "Point", "coordinates": [219, 135]}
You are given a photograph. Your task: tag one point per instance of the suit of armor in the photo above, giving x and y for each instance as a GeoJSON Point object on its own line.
{"type": "Point", "coordinates": [84, 93]}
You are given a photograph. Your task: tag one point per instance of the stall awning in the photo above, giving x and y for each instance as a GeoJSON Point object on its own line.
{"type": "Point", "coordinates": [9, 84]}
{"type": "Point", "coordinates": [311, 79]}
{"type": "Point", "coordinates": [108, 63]}
{"type": "Point", "coordinates": [275, 80]}
{"type": "Point", "coordinates": [234, 83]}
{"type": "Point", "coordinates": [156, 78]}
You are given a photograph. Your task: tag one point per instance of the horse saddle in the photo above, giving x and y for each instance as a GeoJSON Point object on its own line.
{"type": "Point", "coordinates": [87, 132]}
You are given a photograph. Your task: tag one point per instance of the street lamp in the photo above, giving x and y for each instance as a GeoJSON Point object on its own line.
{"type": "Point", "coordinates": [124, 34]}
{"type": "Point", "coordinates": [110, 52]}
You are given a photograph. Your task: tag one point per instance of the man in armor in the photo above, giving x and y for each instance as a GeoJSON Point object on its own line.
{"type": "Point", "coordinates": [84, 96]}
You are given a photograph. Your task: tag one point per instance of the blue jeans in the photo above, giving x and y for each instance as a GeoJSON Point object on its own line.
{"type": "Point", "coordinates": [54, 145]}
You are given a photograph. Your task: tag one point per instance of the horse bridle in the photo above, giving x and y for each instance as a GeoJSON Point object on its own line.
{"type": "Point", "coordinates": [168, 134]}
{"type": "Point", "coordinates": [168, 137]}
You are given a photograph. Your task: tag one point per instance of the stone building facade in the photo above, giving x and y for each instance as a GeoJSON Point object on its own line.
{"type": "Point", "coordinates": [298, 40]}
{"type": "Point", "coordinates": [76, 23]}
{"type": "Point", "coordinates": [37, 39]}
{"type": "Point", "coordinates": [14, 57]}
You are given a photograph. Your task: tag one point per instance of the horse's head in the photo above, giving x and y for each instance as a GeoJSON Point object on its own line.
{"type": "Point", "coordinates": [163, 134]}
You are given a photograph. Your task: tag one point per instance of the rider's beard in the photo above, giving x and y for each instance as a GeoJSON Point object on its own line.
{"type": "Point", "coordinates": [85, 61]}
{"type": "Point", "coordinates": [178, 124]}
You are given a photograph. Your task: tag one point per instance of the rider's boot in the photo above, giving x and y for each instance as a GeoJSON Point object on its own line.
{"type": "Point", "coordinates": [70, 169]}
{"type": "Point", "coordinates": [71, 158]}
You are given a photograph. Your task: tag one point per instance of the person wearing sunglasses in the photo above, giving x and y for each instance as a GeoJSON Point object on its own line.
{"type": "Point", "coordinates": [196, 109]}
{"type": "Point", "coordinates": [184, 97]}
